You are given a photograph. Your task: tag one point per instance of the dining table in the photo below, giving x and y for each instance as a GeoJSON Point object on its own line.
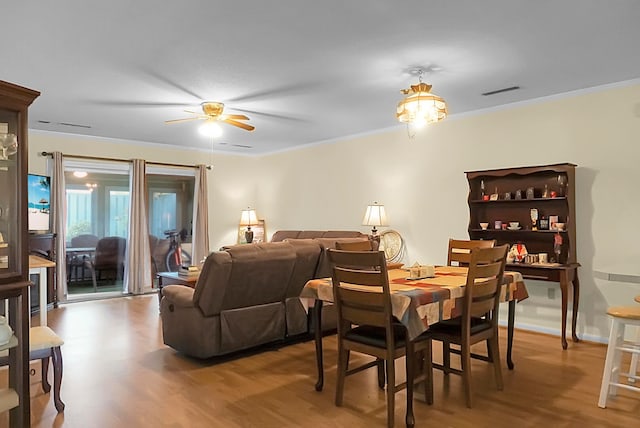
{"type": "Point", "coordinates": [419, 302]}
{"type": "Point", "coordinates": [72, 253]}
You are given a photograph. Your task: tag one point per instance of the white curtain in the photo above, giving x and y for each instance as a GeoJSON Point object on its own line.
{"type": "Point", "coordinates": [200, 244]}
{"type": "Point", "coordinates": [59, 211]}
{"type": "Point", "coordinates": [137, 270]}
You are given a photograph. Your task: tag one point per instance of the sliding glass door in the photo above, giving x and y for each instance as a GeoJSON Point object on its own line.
{"type": "Point", "coordinates": [97, 223]}
{"type": "Point", "coordinates": [97, 226]}
{"type": "Point", "coordinates": [170, 202]}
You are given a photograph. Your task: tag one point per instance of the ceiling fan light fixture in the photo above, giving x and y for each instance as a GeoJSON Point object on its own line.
{"type": "Point", "coordinates": [421, 107]}
{"type": "Point", "coordinates": [210, 128]}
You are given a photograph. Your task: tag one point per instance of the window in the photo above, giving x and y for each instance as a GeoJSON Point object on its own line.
{"type": "Point", "coordinates": [170, 202]}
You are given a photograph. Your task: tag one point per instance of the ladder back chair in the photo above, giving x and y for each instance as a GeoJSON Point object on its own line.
{"type": "Point", "coordinates": [460, 250]}
{"type": "Point", "coordinates": [355, 246]}
{"type": "Point", "coordinates": [366, 325]}
{"type": "Point", "coordinates": [459, 254]}
{"type": "Point", "coordinates": [479, 320]}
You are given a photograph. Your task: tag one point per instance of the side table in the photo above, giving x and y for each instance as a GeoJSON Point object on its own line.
{"type": "Point", "coordinates": [566, 275]}
{"type": "Point", "coordinates": [169, 278]}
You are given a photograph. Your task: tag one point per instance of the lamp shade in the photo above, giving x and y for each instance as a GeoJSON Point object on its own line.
{"type": "Point", "coordinates": [248, 217]}
{"type": "Point", "coordinates": [375, 216]}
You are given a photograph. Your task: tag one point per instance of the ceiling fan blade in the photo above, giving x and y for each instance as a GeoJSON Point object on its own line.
{"type": "Point", "coordinates": [272, 115]}
{"type": "Point", "coordinates": [239, 124]}
{"type": "Point", "coordinates": [186, 119]}
{"type": "Point", "coordinates": [287, 90]}
{"type": "Point", "coordinates": [138, 104]}
{"type": "Point", "coordinates": [164, 79]}
{"type": "Point", "coordinates": [235, 116]}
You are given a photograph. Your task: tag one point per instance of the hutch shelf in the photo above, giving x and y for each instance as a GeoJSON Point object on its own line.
{"type": "Point", "coordinates": [541, 200]}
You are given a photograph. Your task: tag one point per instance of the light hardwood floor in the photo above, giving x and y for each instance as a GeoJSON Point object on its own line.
{"type": "Point", "coordinates": [118, 373]}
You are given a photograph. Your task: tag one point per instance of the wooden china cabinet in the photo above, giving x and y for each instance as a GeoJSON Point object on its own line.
{"type": "Point", "coordinates": [538, 198]}
{"type": "Point", "coordinates": [14, 266]}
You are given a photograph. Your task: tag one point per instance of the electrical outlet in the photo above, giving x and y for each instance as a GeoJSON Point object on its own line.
{"type": "Point", "coordinates": [551, 293]}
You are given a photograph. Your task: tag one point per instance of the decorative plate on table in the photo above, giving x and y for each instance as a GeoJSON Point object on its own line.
{"type": "Point", "coordinates": [392, 244]}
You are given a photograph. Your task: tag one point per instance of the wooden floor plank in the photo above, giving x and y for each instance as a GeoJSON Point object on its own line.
{"type": "Point", "coordinates": [117, 372]}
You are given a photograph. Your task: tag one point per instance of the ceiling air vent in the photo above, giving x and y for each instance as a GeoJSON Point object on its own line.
{"type": "Point", "coordinates": [75, 125]}
{"type": "Point", "coordinates": [499, 91]}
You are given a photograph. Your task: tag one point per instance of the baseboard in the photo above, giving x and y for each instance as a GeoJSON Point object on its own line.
{"type": "Point", "coordinates": [555, 332]}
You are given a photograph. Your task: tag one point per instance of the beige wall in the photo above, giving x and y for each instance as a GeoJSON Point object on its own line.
{"type": "Point", "coordinates": [421, 182]}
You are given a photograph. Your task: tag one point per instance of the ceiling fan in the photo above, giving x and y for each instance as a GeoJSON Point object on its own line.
{"type": "Point", "coordinates": [213, 112]}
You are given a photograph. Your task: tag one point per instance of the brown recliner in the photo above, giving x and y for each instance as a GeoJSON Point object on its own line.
{"type": "Point", "coordinates": [238, 301]}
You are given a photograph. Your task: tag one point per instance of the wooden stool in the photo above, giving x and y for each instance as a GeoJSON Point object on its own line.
{"type": "Point", "coordinates": [634, 358]}
{"type": "Point", "coordinates": [45, 344]}
{"type": "Point", "coordinates": [622, 316]}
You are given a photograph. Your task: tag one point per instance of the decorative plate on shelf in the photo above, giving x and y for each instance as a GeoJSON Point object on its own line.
{"type": "Point", "coordinates": [392, 244]}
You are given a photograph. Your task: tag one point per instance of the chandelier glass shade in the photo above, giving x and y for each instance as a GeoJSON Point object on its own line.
{"type": "Point", "coordinates": [421, 107]}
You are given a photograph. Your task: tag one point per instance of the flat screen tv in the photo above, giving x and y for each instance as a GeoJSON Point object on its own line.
{"type": "Point", "coordinates": [39, 195]}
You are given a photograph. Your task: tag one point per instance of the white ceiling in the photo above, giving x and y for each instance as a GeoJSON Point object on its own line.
{"type": "Point", "coordinates": [303, 71]}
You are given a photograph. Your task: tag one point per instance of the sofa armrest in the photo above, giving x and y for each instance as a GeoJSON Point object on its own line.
{"type": "Point", "coordinates": [179, 295]}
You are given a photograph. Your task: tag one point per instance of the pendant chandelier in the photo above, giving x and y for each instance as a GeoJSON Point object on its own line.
{"type": "Point", "coordinates": [421, 107]}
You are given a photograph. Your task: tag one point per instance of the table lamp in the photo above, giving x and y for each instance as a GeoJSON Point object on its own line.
{"type": "Point", "coordinates": [247, 218]}
{"type": "Point", "coordinates": [375, 216]}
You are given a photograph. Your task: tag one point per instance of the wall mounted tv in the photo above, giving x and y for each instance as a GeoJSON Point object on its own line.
{"type": "Point", "coordinates": [39, 195]}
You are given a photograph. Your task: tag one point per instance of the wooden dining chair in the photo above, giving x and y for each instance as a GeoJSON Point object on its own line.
{"type": "Point", "coordinates": [366, 325]}
{"type": "Point", "coordinates": [460, 250]}
{"type": "Point", "coordinates": [459, 254]}
{"type": "Point", "coordinates": [479, 320]}
{"type": "Point", "coordinates": [355, 245]}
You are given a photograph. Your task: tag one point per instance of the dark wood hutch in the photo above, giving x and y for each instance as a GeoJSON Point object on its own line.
{"type": "Point", "coordinates": [14, 267]}
{"type": "Point", "coordinates": [509, 195]}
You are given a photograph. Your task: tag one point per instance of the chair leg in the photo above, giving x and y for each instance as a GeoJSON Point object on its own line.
{"type": "Point", "coordinates": [489, 351]}
{"type": "Point", "coordinates": [410, 366]}
{"type": "Point", "coordinates": [381, 377]}
{"type": "Point", "coordinates": [612, 362]}
{"type": "Point", "coordinates": [391, 390]}
{"type": "Point", "coordinates": [446, 357]}
{"type": "Point", "coordinates": [495, 357]}
{"type": "Point", "coordinates": [56, 358]}
{"type": "Point", "coordinates": [427, 368]}
{"type": "Point", "coordinates": [633, 369]}
{"type": "Point", "coordinates": [465, 359]}
{"type": "Point", "coordinates": [343, 363]}
{"type": "Point", "coordinates": [46, 386]}
{"type": "Point", "coordinates": [95, 281]}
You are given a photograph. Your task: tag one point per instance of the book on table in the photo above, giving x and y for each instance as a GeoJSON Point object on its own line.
{"type": "Point", "coordinates": [189, 271]}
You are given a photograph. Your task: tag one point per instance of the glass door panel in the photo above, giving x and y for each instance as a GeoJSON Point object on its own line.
{"type": "Point", "coordinates": [97, 226]}
{"type": "Point", "coordinates": [170, 194]}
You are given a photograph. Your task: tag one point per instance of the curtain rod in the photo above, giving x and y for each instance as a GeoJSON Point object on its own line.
{"type": "Point", "coordinates": [99, 158]}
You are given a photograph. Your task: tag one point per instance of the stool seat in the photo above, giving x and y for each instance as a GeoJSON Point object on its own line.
{"type": "Point", "coordinates": [44, 343]}
{"type": "Point", "coordinates": [42, 337]}
{"type": "Point", "coordinates": [627, 312]}
{"type": "Point", "coordinates": [637, 298]}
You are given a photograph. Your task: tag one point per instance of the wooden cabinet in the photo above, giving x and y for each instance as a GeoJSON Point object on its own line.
{"type": "Point", "coordinates": [14, 267]}
{"type": "Point", "coordinates": [508, 196]}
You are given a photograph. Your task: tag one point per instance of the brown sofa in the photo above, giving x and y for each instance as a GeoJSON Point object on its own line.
{"type": "Point", "coordinates": [246, 295]}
